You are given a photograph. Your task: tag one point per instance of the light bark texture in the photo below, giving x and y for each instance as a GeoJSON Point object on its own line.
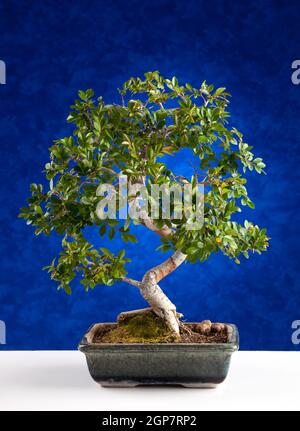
{"type": "Point", "coordinates": [153, 294]}
{"type": "Point", "coordinates": [149, 287]}
{"type": "Point", "coordinates": [141, 213]}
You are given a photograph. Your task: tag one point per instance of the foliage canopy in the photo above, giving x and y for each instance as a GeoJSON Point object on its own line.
{"type": "Point", "coordinates": [156, 118]}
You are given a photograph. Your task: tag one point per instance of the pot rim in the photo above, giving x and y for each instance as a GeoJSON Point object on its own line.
{"type": "Point", "coordinates": [87, 345]}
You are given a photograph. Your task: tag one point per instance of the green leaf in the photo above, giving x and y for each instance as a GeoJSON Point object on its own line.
{"type": "Point", "coordinates": [219, 91]}
{"type": "Point", "coordinates": [126, 224]}
{"type": "Point", "coordinates": [102, 230]}
{"type": "Point", "coordinates": [111, 234]}
{"type": "Point", "coordinates": [38, 210]}
{"type": "Point", "coordinates": [121, 254]}
{"type": "Point", "coordinates": [67, 289]}
{"type": "Point", "coordinates": [129, 237]}
{"type": "Point", "coordinates": [82, 95]}
{"type": "Point", "coordinates": [106, 252]}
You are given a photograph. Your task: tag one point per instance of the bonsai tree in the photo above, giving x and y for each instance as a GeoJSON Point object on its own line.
{"type": "Point", "coordinates": [156, 118]}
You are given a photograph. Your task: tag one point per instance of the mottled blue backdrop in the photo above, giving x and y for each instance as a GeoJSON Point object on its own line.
{"type": "Point", "coordinates": [54, 48]}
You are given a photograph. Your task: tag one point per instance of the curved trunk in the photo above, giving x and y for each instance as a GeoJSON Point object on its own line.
{"type": "Point", "coordinates": [161, 305]}
{"type": "Point", "coordinates": [154, 295]}
{"type": "Point", "coordinates": [149, 287]}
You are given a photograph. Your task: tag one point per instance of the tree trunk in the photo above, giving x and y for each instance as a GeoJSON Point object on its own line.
{"type": "Point", "coordinates": [149, 287]}
{"type": "Point", "coordinates": [161, 305]}
{"type": "Point", "coordinates": [153, 294]}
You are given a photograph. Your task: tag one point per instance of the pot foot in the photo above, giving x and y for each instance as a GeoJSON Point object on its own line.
{"type": "Point", "coordinates": [133, 384]}
{"type": "Point", "coordinates": [200, 385]}
{"type": "Point", "coordinates": [112, 384]}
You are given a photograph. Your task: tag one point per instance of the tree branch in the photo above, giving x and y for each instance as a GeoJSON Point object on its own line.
{"type": "Point", "coordinates": [142, 213]}
{"type": "Point", "coordinates": [132, 282]}
{"type": "Point", "coordinates": [108, 170]}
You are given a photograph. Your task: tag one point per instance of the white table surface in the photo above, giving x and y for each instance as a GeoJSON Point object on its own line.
{"type": "Point", "coordinates": [59, 380]}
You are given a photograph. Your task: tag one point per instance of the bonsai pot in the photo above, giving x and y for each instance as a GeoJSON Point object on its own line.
{"type": "Point", "coordinates": [186, 364]}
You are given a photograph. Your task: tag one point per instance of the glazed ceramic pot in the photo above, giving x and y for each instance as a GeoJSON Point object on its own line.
{"type": "Point", "coordinates": [190, 365]}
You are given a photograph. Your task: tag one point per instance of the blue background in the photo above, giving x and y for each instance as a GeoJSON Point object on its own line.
{"type": "Point", "coordinates": [51, 50]}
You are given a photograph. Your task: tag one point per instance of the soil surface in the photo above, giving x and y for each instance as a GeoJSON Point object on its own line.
{"type": "Point", "coordinates": [149, 328]}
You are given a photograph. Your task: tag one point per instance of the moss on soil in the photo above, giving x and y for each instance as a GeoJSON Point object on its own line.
{"type": "Point", "coordinates": [149, 328]}
{"type": "Point", "coordinates": [146, 328]}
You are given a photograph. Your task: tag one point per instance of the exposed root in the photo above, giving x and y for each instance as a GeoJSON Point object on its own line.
{"type": "Point", "coordinates": [127, 315]}
{"type": "Point", "coordinates": [184, 328]}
